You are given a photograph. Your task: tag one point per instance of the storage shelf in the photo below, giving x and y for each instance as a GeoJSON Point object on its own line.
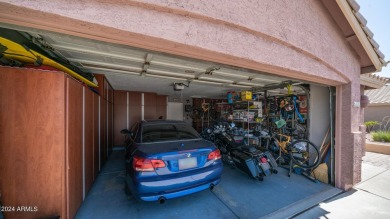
{"type": "Point", "coordinates": [235, 120]}
{"type": "Point", "coordinates": [257, 109]}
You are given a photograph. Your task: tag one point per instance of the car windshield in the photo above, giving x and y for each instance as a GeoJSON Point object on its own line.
{"type": "Point", "coordinates": [167, 132]}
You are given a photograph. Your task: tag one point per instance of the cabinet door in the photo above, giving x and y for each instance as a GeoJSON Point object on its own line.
{"type": "Point", "coordinates": [120, 116]}
{"type": "Point", "coordinates": [150, 106]}
{"type": "Point", "coordinates": [88, 139]}
{"type": "Point", "coordinates": [109, 127]}
{"type": "Point", "coordinates": [135, 108]}
{"type": "Point", "coordinates": [74, 119]}
{"type": "Point", "coordinates": [103, 131]}
{"type": "Point", "coordinates": [32, 137]}
{"type": "Point", "coordinates": [96, 136]}
{"type": "Point", "coordinates": [161, 106]}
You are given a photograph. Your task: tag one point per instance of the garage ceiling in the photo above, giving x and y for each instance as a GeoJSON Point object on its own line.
{"type": "Point", "coordinates": [135, 69]}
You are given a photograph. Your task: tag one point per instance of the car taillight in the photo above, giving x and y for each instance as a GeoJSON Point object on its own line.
{"type": "Point", "coordinates": [146, 165]}
{"type": "Point", "coordinates": [214, 155]}
{"type": "Point", "coordinates": [158, 163]}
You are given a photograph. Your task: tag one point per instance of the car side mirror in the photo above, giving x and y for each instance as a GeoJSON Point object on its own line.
{"type": "Point", "coordinates": [126, 132]}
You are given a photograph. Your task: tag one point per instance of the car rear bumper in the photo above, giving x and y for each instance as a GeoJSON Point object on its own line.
{"type": "Point", "coordinates": [187, 191]}
{"type": "Point", "coordinates": [168, 188]}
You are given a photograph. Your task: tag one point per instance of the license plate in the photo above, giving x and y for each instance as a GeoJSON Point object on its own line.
{"type": "Point", "coordinates": [187, 163]}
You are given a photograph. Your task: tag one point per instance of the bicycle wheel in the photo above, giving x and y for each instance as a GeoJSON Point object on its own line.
{"type": "Point", "coordinates": [304, 154]}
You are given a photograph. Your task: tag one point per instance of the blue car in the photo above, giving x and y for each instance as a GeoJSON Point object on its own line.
{"type": "Point", "coordinates": [169, 159]}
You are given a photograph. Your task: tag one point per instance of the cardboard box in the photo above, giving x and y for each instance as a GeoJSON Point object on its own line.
{"type": "Point", "coordinates": [258, 105]}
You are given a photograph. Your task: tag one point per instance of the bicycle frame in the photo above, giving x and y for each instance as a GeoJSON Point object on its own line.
{"type": "Point", "coordinates": [281, 144]}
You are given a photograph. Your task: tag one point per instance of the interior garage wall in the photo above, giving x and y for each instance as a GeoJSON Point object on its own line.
{"type": "Point", "coordinates": [131, 106]}
{"type": "Point", "coordinates": [319, 114]}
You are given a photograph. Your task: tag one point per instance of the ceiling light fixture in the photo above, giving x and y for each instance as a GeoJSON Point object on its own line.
{"type": "Point", "coordinates": [216, 79]}
{"type": "Point", "coordinates": [105, 70]}
{"type": "Point", "coordinates": [105, 65]}
{"type": "Point", "coordinates": [230, 74]}
{"type": "Point", "coordinates": [206, 82]}
{"type": "Point", "coordinates": [85, 50]}
{"type": "Point", "coordinates": [167, 73]}
{"type": "Point", "coordinates": [237, 85]}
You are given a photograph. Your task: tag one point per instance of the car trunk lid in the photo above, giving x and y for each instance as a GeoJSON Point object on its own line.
{"type": "Point", "coordinates": [179, 156]}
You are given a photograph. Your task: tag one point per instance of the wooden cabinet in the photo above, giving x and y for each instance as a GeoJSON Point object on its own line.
{"type": "Point", "coordinates": [110, 124]}
{"type": "Point", "coordinates": [49, 141]}
{"type": "Point", "coordinates": [73, 145]}
{"type": "Point", "coordinates": [128, 109]}
{"type": "Point", "coordinates": [103, 131]}
{"type": "Point", "coordinates": [161, 106]}
{"type": "Point", "coordinates": [88, 138]}
{"type": "Point", "coordinates": [150, 106]}
{"type": "Point", "coordinates": [120, 116]}
{"type": "Point", "coordinates": [96, 135]}
{"type": "Point", "coordinates": [32, 142]}
{"type": "Point", "coordinates": [135, 108]}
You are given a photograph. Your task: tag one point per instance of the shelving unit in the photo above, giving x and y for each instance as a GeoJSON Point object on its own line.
{"type": "Point", "coordinates": [292, 118]}
{"type": "Point", "coordinates": [245, 121]}
{"type": "Point", "coordinates": [202, 118]}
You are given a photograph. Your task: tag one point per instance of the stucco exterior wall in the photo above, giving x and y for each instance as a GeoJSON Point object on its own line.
{"type": "Point", "coordinates": [297, 39]}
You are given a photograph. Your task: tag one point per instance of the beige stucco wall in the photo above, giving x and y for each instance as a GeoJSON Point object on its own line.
{"type": "Point", "coordinates": [297, 39]}
{"type": "Point", "coordinates": [376, 113]}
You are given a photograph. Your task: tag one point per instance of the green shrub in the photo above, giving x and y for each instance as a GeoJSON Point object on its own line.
{"type": "Point", "coordinates": [382, 136]}
{"type": "Point", "coordinates": [370, 125]}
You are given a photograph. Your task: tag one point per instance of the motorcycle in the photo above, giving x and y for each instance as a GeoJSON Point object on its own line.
{"type": "Point", "coordinates": [249, 159]}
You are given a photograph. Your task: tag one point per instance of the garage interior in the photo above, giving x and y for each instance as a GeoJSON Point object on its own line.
{"type": "Point", "coordinates": [81, 160]}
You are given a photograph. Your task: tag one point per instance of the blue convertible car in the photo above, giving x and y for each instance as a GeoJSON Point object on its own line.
{"type": "Point", "coordinates": [168, 159]}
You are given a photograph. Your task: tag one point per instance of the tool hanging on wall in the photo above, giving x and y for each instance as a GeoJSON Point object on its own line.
{"type": "Point", "coordinates": [289, 89]}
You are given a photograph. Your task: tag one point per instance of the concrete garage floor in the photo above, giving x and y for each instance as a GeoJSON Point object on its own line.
{"type": "Point", "coordinates": [237, 196]}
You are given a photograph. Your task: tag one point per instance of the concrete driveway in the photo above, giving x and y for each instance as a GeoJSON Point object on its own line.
{"type": "Point", "coordinates": [368, 199]}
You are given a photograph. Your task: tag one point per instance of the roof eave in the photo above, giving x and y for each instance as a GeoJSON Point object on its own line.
{"type": "Point", "coordinates": [352, 20]}
{"type": "Point", "coordinates": [372, 82]}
